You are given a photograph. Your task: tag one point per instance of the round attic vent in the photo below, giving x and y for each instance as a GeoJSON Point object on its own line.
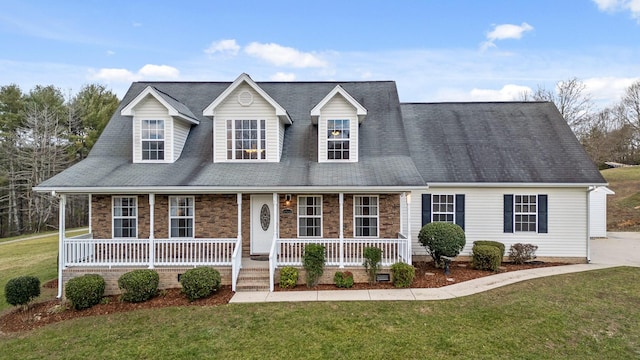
{"type": "Point", "coordinates": [245, 98]}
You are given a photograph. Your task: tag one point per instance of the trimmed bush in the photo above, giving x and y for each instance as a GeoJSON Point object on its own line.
{"type": "Point", "coordinates": [521, 253]}
{"type": "Point", "coordinates": [313, 261]}
{"type": "Point", "coordinates": [85, 291]}
{"type": "Point", "coordinates": [486, 257]}
{"type": "Point", "coordinates": [442, 239]}
{"type": "Point", "coordinates": [497, 244]}
{"type": "Point", "coordinates": [288, 277]}
{"type": "Point", "coordinates": [372, 258]}
{"type": "Point", "coordinates": [21, 290]}
{"type": "Point", "coordinates": [402, 274]}
{"type": "Point", "coordinates": [200, 282]}
{"type": "Point", "coordinates": [343, 279]}
{"type": "Point", "coordinates": [139, 285]}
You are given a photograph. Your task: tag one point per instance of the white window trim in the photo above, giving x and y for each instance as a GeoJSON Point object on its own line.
{"type": "Point", "coordinates": [192, 217]}
{"type": "Point", "coordinates": [164, 140]}
{"type": "Point", "coordinates": [453, 213]}
{"type": "Point", "coordinates": [355, 231]}
{"type": "Point", "coordinates": [113, 216]}
{"type": "Point", "coordinates": [327, 140]}
{"type": "Point", "coordinates": [515, 214]}
{"type": "Point", "coordinates": [233, 140]}
{"type": "Point", "coordinates": [309, 216]}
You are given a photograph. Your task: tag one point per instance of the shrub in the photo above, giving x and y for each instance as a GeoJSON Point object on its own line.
{"type": "Point", "coordinates": [521, 253]}
{"type": "Point", "coordinates": [497, 244]}
{"type": "Point", "coordinates": [343, 279]}
{"type": "Point", "coordinates": [288, 277]}
{"type": "Point", "coordinates": [372, 258]}
{"type": "Point", "coordinates": [486, 257]}
{"type": "Point", "coordinates": [402, 274]}
{"type": "Point", "coordinates": [21, 290]}
{"type": "Point", "coordinates": [442, 239]}
{"type": "Point", "coordinates": [200, 282]}
{"type": "Point", "coordinates": [85, 291]}
{"type": "Point", "coordinates": [138, 285]}
{"type": "Point", "coordinates": [313, 261]}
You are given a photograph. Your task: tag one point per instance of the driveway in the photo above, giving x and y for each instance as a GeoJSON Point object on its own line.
{"type": "Point", "coordinates": [619, 248]}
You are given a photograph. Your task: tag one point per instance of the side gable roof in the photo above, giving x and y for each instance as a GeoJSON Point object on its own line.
{"type": "Point", "coordinates": [360, 110]}
{"type": "Point", "coordinates": [244, 78]}
{"type": "Point", "coordinates": [174, 107]}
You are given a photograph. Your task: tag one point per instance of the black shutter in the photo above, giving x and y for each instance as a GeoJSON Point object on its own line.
{"type": "Point", "coordinates": [542, 214]}
{"type": "Point", "coordinates": [426, 209]}
{"type": "Point", "coordinates": [508, 213]}
{"type": "Point", "coordinates": [460, 210]}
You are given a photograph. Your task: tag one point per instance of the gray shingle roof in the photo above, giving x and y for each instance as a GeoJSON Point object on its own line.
{"type": "Point", "coordinates": [400, 145]}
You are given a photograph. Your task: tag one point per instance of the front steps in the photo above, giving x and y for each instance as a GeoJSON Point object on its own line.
{"type": "Point", "coordinates": [253, 279]}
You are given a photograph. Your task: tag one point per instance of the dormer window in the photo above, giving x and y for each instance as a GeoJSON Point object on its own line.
{"type": "Point", "coordinates": [338, 133]}
{"type": "Point", "coordinates": [152, 133]}
{"type": "Point", "coordinates": [246, 140]}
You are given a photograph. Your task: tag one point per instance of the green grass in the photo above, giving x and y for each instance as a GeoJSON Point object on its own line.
{"type": "Point", "coordinates": [623, 208]}
{"type": "Point", "coordinates": [71, 232]}
{"type": "Point", "coordinates": [591, 315]}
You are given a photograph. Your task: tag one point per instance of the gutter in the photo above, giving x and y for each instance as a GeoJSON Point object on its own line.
{"type": "Point", "coordinates": [227, 190]}
{"type": "Point", "coordinates": [589, 190]}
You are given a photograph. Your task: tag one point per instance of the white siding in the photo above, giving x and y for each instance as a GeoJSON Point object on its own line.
{"type": "Point", "coordinates": [338, 108]}
{"type": "Point", "coordinates": [151, 109]}
{"type": "Point", "coordinates": [567, 219]}
{"type": "Point", "coordinates": [260, 109]}
{"type": "Point", "coordinates": [598, 213]}
{"type": "Point", "coordinates": [280, 139]}
{"type": "Point", "coordinates": [180, 132]}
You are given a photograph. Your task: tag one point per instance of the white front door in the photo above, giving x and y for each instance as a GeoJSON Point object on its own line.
{"type": "Point", "coordinates": [262, 223]}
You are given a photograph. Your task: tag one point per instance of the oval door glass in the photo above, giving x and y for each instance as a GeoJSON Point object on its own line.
{"type": "Point", "coordinates": [265, 217]}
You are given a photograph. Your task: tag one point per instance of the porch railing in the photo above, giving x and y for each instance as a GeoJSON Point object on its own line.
{"type": "Point", "coordinates": [236, 263]}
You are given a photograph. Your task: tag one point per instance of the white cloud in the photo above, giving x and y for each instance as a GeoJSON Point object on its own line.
{"type": "Point", "coordinates": [505, 31]}
{"type": "Point", "coordinates": [605, 88]}
{"type": "Point", "coordinates": [284, 56]}
{"type": "Point", "coordinates": [633, 6]}
{"type": "Point", "coordinates": [509, 92]}
{"type": "Point", "coordinates": [136, 24]}
{"type": "Point", "coordinates": [111, 52]}
{"type": "Point", "coordinates": [228, 46]}
{"type": "Point", "coordinates": [147, 72]}
{"type": "Point", "coordinates": [281, 76]}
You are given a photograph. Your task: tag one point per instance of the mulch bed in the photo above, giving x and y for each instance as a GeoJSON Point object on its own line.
{"type": "Point", "coordinates": [52, 311]}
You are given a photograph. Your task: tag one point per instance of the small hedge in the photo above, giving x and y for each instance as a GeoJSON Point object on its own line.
{"type": "Point", "coordinates": [21, 290]}
{"type": "Point", "coordinates": [486, 257]}
{"type": "Point", "coordinates": [442, 239]}
{"type": "Point", "coordinates": [521, 253]}
{"type": "Point", "coordinates": [288, 277]}
{"type": "Point", "coordinates": [200, 282]}
{"type": "Point", "coordinates": [343, 279]}
{"type": "Point", "coordinates": [313, 261]}
{"type": "Point", "coordinates": [139, 285]}
{"type": "Point", "coordinates": [402, 274]}
{"type": "Point", "coordinates": [85, 291]}
{"type": "Point", "coordinates": [372, 258]}
{"type": "Point", "coordinates": [497, 244]}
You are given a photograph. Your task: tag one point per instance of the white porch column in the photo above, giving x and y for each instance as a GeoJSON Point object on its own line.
{"type": "Point", "coordinates": [239, 202]}
{"type": "Point", "coordinates": [62, 204]}
{"type": "Point", "coordinates": [152, 246]}
{"type": "Point", "coordinates": [90, 220]}
{"type": "Point", "coordinates": [276, 217]}
{"type": "Point", "coordinates": [341, 197]}
{"type": "Point", "coordinates": [409, 240]}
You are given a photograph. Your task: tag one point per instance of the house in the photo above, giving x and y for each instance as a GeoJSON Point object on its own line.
{"type": "Point", "coordinates": [212, 173]}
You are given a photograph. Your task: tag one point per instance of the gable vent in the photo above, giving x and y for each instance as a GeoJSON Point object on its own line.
{"type": "Point", "coordinates": [245, 98]}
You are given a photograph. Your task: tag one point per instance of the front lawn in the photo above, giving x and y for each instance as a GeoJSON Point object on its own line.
{"type": "Point", "coordinates": [590, 315]}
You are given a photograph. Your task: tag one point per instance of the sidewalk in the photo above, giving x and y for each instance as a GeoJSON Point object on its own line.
{"type": "Point", "coordinates": [447, 292]}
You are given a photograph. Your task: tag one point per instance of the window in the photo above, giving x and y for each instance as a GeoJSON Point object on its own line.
{"type": "Point", "coordinates": [338, 139]}
{"type": "Point", "coordinates": [366, 215]}
{"type": "Point", "coordinates": [526, 212]}
{"type": "Point", "coordinates": [181, 216]}
{"type": "Point", "coordinates": [443, 208]}
{"type": "Point", "coordinates": [152, 139]}
{"type": "Point", "coordinates": [125, 217]}
{"type": "Point", "coordinates": [246, 140]}
{"type": "Point", "coordinates": [309, 216]}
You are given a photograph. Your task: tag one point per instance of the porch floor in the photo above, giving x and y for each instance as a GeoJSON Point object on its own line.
{"type": "Point", "coordinates": [248, 263]}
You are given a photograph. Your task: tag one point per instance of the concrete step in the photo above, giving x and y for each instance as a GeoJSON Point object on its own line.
{"type": "Point", "coordinates": [253, 279]}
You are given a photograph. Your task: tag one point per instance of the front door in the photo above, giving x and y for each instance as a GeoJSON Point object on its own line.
{"type": "Point", "coordinates": [262, 223]}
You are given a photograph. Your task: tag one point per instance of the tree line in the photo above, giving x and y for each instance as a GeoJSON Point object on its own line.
{"type": "Point", "coordinates": [41, 134]}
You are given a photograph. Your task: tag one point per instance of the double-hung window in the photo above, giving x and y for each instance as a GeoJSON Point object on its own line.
{"type": "Point", "coordinates": [310, 216]}
{"type": "Point", "coordinates": [246, 140]}
{"type": "Point", "coordinates": [152, 139]}
{"type": "Point", "coordinates": [443, 208]}
{"type": "Point", "coordinates": [181, 216]}
{"type": "Point", "coordinates": [526, 212]}
{"type": "Point", "coordinates": [338, 136]}
{"type": "Point", "coordinates": [365, 216]}
{"type": "Point", "coordinates": [125, 217]}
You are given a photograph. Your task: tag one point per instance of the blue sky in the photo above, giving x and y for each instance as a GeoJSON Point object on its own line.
{"type": "Point", "coordinates": [455, 50]}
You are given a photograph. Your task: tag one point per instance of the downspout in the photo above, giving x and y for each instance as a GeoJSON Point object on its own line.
{"type": "Point", "coordinates": [61, 230]}
{"type": "Point", "coordinates": [590, 189]}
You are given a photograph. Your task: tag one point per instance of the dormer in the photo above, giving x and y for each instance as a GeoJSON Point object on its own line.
{"type": "Point", "coordinates": [161, 125]}
{"type": "Point", "coordinates": [248, 124]}
{"type": "Point", "coordinates": [338, 116]}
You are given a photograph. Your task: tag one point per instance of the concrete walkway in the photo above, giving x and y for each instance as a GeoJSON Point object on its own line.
{"type": "Point", "coordinates": [616, 250]}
